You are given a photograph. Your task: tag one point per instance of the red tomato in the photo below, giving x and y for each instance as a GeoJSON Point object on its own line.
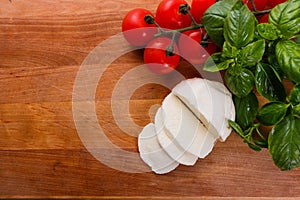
{"type": "Point", "coordinates": [156, 58]}
{"type": "Point", "coordinates": [264, 19]}
{"type": "Point", "coordinates": [191, 50]}
{"type": "Point", "coordinates": [189, 46]}
{"type": "Point", "coordinates": [198, 8]}
{"type": "Point", "coordinates": [168, 15]}
{"type": "Point", "coordinates": [136, 31]}
{"type": "Point", "coordinates": [259, 4]}
{"type": "Point", "coordinates": [273, 3]}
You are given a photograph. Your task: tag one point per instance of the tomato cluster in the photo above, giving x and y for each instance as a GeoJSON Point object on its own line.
{"type": "Point", "coordinates": [176, 31]}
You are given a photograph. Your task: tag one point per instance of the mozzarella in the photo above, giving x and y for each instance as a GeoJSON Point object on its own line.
{"type": "Point", "coordinates": [188, 124]}
{"type": "Point", "coordinates": [152, 153]}
{"type": "Point", "coordinates": [185, 128]}
{"type": "Point", "coordinates": [210, 101]}
{"type": "Point", "coordinates": [173, 149]}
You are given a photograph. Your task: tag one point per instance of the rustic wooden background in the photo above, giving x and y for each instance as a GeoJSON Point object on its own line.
{"type": "Point", "coordinates": [42, 45]}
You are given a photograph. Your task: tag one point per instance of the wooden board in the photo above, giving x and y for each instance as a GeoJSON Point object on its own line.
{"type": "Point", "coordinates": [42, 46]}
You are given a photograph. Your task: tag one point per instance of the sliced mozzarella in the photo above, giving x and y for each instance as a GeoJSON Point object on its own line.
{"type": "Point", "coordinates": [152, 153]}
{"type": "Point", "coordinates": [170, 145]}
{"type": "Point", "coordinates": [210, 101]}
{"type": "Point", "coordinates": [185, 128]}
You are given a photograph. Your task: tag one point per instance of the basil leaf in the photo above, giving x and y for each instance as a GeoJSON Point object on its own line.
{"type": "Point", "coordinates": [274, 64]}
{"type": "Point", "coordinates": [286, 17]}
{"type": "Point", "coordinates": [246, 109]}
{"type": "Point", "coordinates": [216, 62]}
{"type": "Point", "coordinates": [229, 51]}
{"type": "Point", "coordinates": [240, 82]}
{"type": "Point", "coordinates": [268, 31]}
{"type": "Point", "coordinates": [236, 127]}
{"type": "Point", "coordinates": [272, 113]}
{"type": "Point", "coordinates": [288, 56]}
{"type": "Point", "coordinates": [239, 25]}
{"type": "Point", "coordinates": [252, 53]}
{"type": "Point", "coordinates": [294, 96]}
{"type": "Point", "coordinates": [213, 20]}
{"type": "Point", "coordinates": [296, 110]}
{"type": "Point", "coordinates": [284, 143]}
{"type": "Point", "coordinates": [268, 84]}
{"type": "Point", "coordinates": [297, 39]}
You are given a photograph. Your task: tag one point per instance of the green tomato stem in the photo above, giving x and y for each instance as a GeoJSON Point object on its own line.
{"type": "Point", "coordinates": [253, 6]}
{"type": "Point", "coordinates": [170, 49]}
{"type": "Point", "coordinates": [171, 32]}
{"type": "Point", "coordinates": [261, 12]}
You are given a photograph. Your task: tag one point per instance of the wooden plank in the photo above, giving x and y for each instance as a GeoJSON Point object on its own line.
{"type": "Point", "coordinates": [43, 44]}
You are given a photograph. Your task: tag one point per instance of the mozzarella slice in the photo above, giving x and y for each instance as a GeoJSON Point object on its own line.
{"type": "Point", "coordinates": [173, 149]}
{"type": "Point", "coordinates": [210, 101]}
{"type": "Point", "coordinates": [152, 153]}
{"type": "Point", "coordinates": [185, 128]}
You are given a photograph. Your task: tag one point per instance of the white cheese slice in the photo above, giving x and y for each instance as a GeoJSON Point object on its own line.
{"type": "Point", "coordinates": [210, 101]}
{"type": "Point", "coordinates": [185, 128]}
{"type": "Point", "coordinates": [173, 149]}
{"type": "Point", "coordinates": [152, 153]}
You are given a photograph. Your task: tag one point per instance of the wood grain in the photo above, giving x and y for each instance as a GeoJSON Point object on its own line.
{"type": "Point", "coordinates": [43, 44]}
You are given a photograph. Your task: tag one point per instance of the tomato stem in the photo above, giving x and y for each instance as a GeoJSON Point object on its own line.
{"type": "Point", "coordinates": [192, 18]}
{"type": "Point", "coordinates": [169, 32]}
{"type": "Point", "coordinates": [253, 6]}
{"type": "Point", "coordinates": [150, 20]}
{"type": "Point", "coordinates": [185, 9]}
{"type": "Point", "coordinates": [261, 12]}
{"type": "Point", "coordinates": [170, 49]}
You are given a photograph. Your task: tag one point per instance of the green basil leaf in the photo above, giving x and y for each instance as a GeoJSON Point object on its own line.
{"type": "Point", "coordinates": [274, 64]}
{"type": "Point", "coordinates": [229, 51]}
{"type": "Point", "coordinates": [251, 54]}
{"type": "Point", "coordinates": [246, 109]}
{"type": "Point", "coordinates": [296, 110]}
{"type": "Point", "coordinates": [284, 143]}
{"type": "Point", "coordinates": [239, 25]}
{"type": "Point", "coordinates": [213, 20]}
{"type": "Point", "coordinates": [268, 84]}
{"type": "Point", "coordinates": [272, 113]}
{"type": "Point", "coordinates": [268, 31]}
{"type": "Point", "coordinates": [297, 39]}
{"type": "Point", "coordinates": [240, 82]}
{"type": "Point", "coordinates": [294, 96]}
{"type": "Point", "coordinates": [236, 127]}
{"type": "Point", "coordinates": [288, 56]}
{"type": "Point", "coordinates": [216, 62]}
{"type": "Point", "coordinates": [286, 17]}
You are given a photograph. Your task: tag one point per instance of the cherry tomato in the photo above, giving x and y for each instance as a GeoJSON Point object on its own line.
{"type": "Point", "coordinates": [210, 49]}
{"type": "Point", "coordinates": [273, 3]}
{"type": "Point", "coordinates": [264, 19]}
{"type": "Point", "coordinates": [136, 31]}
{"type": "Point", "coordinates": [259, 4]}
{"type": "Point", "coordinates": [156, 58]}
{"type": "Point", "coordinates": [168, 15]}
{"type": "Point", "coordinates": [198, 8]}
{"type": "Point", "coordinates": [189, 45]}
{"type": "Point", "coordinates": [191, 50]}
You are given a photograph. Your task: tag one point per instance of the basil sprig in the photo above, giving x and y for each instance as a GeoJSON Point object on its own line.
{"type": "Point", "coordinates": [257, 58]}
